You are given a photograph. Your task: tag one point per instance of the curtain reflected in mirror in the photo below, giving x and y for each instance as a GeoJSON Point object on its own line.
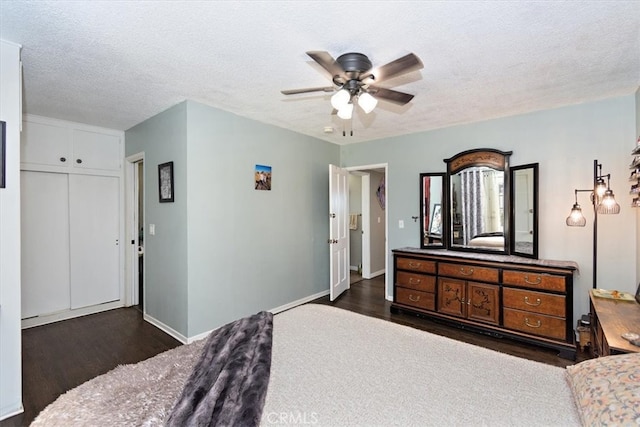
{"type": "Point", "coordinates": [478, 208]}
{"type": "Point", "coordinates": [431, 210]}
{"type": "Point", "coordinates": [525, 206]}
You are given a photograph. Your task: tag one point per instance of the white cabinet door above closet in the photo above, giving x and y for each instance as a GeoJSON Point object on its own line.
{"type": "Point", "coordinates": [45, 144]}
{"type": "Point", "coordinates": [94, 245]}
{"type": "Point", "coordinates": [45, 243]}
{"type": "Point", "coordinates": [93, 150]}
{"type": "Point", "coordinates": [55, 145]}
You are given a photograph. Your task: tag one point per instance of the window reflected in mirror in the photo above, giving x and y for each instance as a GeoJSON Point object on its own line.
{"type": "Point", "coordinates": [432, 210]}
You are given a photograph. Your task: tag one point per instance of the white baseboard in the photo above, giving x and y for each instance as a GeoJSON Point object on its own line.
{"type": "Point", "coordinates": [13, 413]}
{"type": "Point", "coordinates": [299, 302]}
{"type": "Point", "coordinates": [70, 314]}
{"type": "Point", "coordinates": [169, 330]}
{"type": "Point", "coordinates": [273, 310]}
{"type": "Point", "coordinates": [375, 274]}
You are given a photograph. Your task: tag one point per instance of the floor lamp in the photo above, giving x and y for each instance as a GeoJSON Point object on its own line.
{"type": "Point", "coordinates": [603, 202]}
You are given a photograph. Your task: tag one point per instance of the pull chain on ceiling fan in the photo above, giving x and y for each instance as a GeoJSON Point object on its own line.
{"type": "Point", "coordinates": [354, 81]}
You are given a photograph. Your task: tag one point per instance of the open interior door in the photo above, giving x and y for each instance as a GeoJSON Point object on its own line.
{"type": "Point", "coordinates": [338, 231]}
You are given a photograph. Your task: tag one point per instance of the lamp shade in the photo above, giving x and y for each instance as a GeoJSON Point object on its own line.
{"type": "Point", "coordinates": [367, 102]}
{"type": "Point", "coordinates": [601, 187]}
{"type": "Point", "coordinates": [346, 111]}
{"type": "Point", "coordinates": [575, 218]}
{"type": "Point", "coordinates": [608, 204]}
{"type": "Point", "coordinates": [340, 99]}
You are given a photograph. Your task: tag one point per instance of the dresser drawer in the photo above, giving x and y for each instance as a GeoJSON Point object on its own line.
{"type": "Point", "coordinates": [419, 299]}
{"type": "Point", "coordinates": [536, 324]}
{"type": "Point", "coordinates": [529, 279]}
{"type": "Point", "coordinates": [537, 302]}
{"type": "Point", "coordinates": [419, 265]}
{"type": "Point", "coordinates": [469, 272]}
{"type": "Point", "coordinates": [420, 282]}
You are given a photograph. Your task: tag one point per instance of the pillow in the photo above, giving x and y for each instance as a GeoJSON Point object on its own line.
{"type": "Point", "coordinates": [606, 390]}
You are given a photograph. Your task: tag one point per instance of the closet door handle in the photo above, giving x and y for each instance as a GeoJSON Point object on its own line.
{"type": "Point", "coordinates": [78, 161]}
{"type": "Point", "coordinates": [63, 159]}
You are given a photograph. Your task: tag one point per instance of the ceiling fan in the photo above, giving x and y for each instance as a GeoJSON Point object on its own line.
{"type": "Point", "coordinates": [355, 80]}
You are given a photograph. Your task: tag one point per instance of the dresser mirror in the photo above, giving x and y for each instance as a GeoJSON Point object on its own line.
{"type": "Point", "coordinates": [432, 210]}
{"type": "Point", "coordinates": [524, 209]}
{"type": "Point", "coordinates": [478, 183]}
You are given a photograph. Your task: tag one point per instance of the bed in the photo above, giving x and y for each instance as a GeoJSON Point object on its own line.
{"type": "Point", "coordinates": [488, 240]}
{"type": "Point", "coordinates": [328, 366]}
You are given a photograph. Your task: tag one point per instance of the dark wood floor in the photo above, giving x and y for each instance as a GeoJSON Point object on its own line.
{"type": "Point", "coordinates": [60, 356]}
{"type": "Point", "coordinates": [63, 355]}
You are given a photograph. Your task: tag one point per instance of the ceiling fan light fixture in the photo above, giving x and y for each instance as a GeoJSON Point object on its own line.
{"type": "Point", "coordinates": [340, 99]}
{"type": "Point", "coordinates": [346, 111]}
{"type": "Point", "coordinates": [367, 102]}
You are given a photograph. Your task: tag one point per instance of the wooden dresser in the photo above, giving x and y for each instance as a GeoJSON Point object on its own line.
{"type": "Point", "coordinates": [609, 320]}
{"type": "Point", "coordinates": [521, 298]}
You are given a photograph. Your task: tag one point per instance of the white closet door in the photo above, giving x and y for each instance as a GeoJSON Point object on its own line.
{"type": "Point", "coordinates": [45, 243]}
{"type": "Point", "coordinates": [94, 230]}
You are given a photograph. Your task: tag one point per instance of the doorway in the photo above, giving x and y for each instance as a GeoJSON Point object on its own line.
{"type": "Point", "coordinates": [135, 225]}
{"type": "Point", "coordinates": [368, 223]}
{"type": "Point", "coordinates": [140, 228]}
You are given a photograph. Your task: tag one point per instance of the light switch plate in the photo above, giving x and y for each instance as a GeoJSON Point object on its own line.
{"type": "Point", "coordinates": [152, 229]}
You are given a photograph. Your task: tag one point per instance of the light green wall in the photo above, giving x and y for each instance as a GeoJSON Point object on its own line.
{"type": "Point", "coordinates": [224, 250]}
{"type": "Point", "coordinates": [565, 142]}
{"type": "Point", "coordinates": [252, 250]}
{"type": "Point", "coordinates": [163, 138]}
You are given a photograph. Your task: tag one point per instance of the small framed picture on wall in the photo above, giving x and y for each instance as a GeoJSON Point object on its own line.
{"type": "Point", "coordinates": [165, 182]}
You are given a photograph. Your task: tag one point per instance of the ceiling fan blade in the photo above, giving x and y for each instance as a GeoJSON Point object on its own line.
{"type": "Point", "coordinates": [326, 61]}
{"type": "Point", "coordinates": [390, 95]}
{"type": "Point", "coordinates": [307, 90]}
{"type": "Point", "coordinates": [406, 64]}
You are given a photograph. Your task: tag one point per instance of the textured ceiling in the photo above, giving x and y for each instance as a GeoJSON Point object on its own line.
{"type": "Point", "coordinates": [115, 64]}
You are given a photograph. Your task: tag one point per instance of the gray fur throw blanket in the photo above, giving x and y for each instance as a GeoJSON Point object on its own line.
{"type": "Point", "coordinates": [228, 384]}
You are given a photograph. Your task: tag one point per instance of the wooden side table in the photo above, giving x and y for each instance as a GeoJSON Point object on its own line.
{"type": "Point", "coordinates": [609, 320]}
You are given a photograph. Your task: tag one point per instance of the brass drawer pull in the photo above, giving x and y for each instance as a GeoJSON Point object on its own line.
{"type": "Point", "coordinates": [467, 273]}
{"type": "Point", "coordinates": [526, 322]}
{"type": "Point", "coordinates": [537, 303]}
{"type": "Point", "coordinates": [413, 281]}
{"type": "Point", "coordinates": [414, 299]}
{"type": "Point", "coordinates": [415, 264]}
{"type": "Point", "coordinates": [537, 282]}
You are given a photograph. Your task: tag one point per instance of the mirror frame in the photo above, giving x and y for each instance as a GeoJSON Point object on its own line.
{"type": "Point", "coordinates": [489, 157]}
{"type": "Point", "coordinates": [514, 251]}
{"type": "Point", "coordinates": [444, 210]}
